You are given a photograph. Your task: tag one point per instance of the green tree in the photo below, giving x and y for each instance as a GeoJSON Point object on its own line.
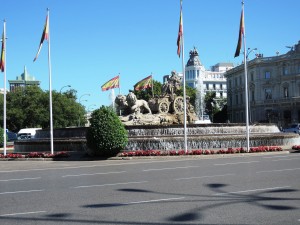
{"type": "Point", "coordinates": [106, 136]}
{"type": "Point", "coordinates": [146, 94]}
{"type": "Point", "coordinates": [31, 108]}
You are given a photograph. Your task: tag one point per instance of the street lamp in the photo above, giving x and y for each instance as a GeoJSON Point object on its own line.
{"type": "Point", "coordinates": [90, 107]}
{"type": "Point", "coordinates": [247, 55]}
{"type": "Point", "coordinates": [249, 51]}
{"type": "Point", "coordinates": [79, 101]}
{"type": "Point", "coordinates": [64, 87]}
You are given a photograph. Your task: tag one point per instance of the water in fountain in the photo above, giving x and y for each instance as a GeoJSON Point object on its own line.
{"type": "Point", "coordinates": [199, 102]}
{"type": "Point", "coordinates": [206, 136]}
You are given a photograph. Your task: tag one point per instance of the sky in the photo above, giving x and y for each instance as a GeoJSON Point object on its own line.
{"type": "Point", "coordinates": [92, 41]}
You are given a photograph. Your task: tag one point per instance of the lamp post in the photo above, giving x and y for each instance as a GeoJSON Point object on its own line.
{"type": "Point", "coordinates": [90, 107]}
{"type": "Point", "coordinates": [64, 87]}
{"type": "Point", "coordinates": [249, 51]}
{"type": "Point", "coordinates": [79, 101]}
{"type": "Point", "coordinates": [247, 57]}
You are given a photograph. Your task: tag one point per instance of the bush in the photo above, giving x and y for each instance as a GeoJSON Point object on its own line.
{"type": "Point", "coordinates": [1, 136]}
{"type": "Point", "coordinates": [106, 136]}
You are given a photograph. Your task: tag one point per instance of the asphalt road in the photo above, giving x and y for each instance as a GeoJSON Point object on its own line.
{"type": "Point", "coordinates": [262, 189]}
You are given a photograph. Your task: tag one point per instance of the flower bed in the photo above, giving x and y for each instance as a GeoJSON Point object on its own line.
{"type": "Point", "coordinates": [199, 152]}
{"type": "Point", "coordinates": [36, 155]}
{"type": "Point", "coordinates": [296, 147]}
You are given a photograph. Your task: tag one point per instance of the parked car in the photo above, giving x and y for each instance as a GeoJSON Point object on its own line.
{"type": "Point", "coordinates": [11, 136]}
{"type": "Point", "coordinates": [27, 133]}
{"type": "Point", "coordinates": [294, 128]}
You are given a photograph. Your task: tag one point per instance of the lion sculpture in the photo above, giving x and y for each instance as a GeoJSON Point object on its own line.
{"type": "Point", "coordinates": [136, 105]}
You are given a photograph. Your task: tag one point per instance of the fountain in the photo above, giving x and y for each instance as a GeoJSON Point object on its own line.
{"type": "Point", "coordinates": [164, 131]}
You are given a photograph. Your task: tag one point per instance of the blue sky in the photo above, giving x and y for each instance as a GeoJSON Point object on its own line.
{"type": "Point", "coordinates": [94, 40]}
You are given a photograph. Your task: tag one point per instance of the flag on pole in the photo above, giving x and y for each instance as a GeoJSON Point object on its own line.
{"type": "Point", "coordinates": [2, 60]}
{"type": "Point", "coordinates": [241, 34]}
{"type": "Point", "coordinates": [112, 83]}
{"type": "Point", "coordinates": [180, 32]}
{"type": "Point", "coordinates": [143, 84]}
{"type": "Point", "coordinates": [45, 36]}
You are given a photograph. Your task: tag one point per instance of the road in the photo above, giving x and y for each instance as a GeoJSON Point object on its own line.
{"type": "Point", "coordinates": [250, 189]}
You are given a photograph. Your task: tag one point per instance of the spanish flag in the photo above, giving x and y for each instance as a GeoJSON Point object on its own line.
{"type": "Point", "coordinates": [113, 83]}
{"type": "Point", "coordinates": [241, 34]}
{"type": "Point", "coordinates": [45, 36]}
{"type": "Point", "coordinates": [143, 84]}
{"type": "Point", "coordinates": [180, 32]}
{"type": "Point", "coordinates": [2, 60]}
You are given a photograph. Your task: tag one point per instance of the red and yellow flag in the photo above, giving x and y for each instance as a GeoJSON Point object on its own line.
{"type": "Point", "coordinates": [241, 34]}
{"type": "Point", "coordinates": [45, 36]}
{"type": "Point", "coordinates": [113, 83]}
{"type": "Point", "coordinates": [180, 32]}
{"type": "Point", "coordinates": [143, 84]}
{"type": "Point", "coordinates": [2, 60]}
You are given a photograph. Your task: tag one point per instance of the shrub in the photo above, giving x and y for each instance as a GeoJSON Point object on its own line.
{"type": "Point", "coordinates": [1, 136]}
{"type": "Point", "coordinates": [106, 136]}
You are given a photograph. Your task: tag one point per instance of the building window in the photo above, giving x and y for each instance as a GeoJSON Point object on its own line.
{"type": "Point", "coordinates": [251, 76]}
{"type": "Point", "coordinates": [284, 69]}
{"type": "Point", "coordinates": [252, 96]}
{"type": "Point", "coordinates": [229, 84]}
{"type": "Point", "coordinates": [267, 75]}
{"type": "Point", "coordinates": [286, 92]}
{"type": "Point", "coordinates": [236, 99]}
{"type": "Point", "coordinates": [268, 93]}
{"type": "Point", "coordinates": [241, 99]}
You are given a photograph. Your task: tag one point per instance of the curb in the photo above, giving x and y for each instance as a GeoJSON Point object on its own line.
{"type": "Point", "coordinates": [150, 157]}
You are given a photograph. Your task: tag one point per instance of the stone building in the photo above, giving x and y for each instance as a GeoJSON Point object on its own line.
{"type": "Point", "coordinates": [273, 89]}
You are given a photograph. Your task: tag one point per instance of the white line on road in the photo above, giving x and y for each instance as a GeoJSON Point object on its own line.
{"type": "Point", "coordinates": [103, 185]}
{"type": "Point", "coordinates": [253, 190]}
{"type": "Point", "coordinates": [222, 175]}
{"type": "Point", "coordinates": [171, 168]}
{"type": "Point", "coordinates": [224, 164]}
{"type": "Point", "coordinates": [91, 174]}
{"type": "Point", "coordinates": [23, 213]}
{"type": "Point", "coordinates": [275, 160]}
{"type": "Point", "coordinates": [155, 200]}
{"type": "Point", "coordinates": [20, 179]}
{"type": "Point", "coordinates": [269, 171]}
{"type": "Point", "coordinates": [17, 192]}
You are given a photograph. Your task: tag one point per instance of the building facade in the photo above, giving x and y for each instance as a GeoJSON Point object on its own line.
{"type": "Point", "coordinates": [22, 81]}
{"type": "Point", "coordinates": [273, 89]}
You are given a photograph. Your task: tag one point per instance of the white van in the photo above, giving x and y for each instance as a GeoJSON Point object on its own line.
{"type": "Point", "coordinates": [27, 133]}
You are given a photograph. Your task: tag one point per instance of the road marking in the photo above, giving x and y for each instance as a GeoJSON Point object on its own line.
{"type": "Point", "coordinates": [103, 185]}
{"type": "Point", "coordinates": [171, 168]}
{"type": "Point", "coordinates": [224, 164]}
{"type": "Point", "coordinates": [269, 171]}
{"type": "Point", "coordinates": [24, 213]}
{"type": "Point", "coordinates": [20, 179]}
{"type": "Point", "coordinates": [222, 175]}
{"type": "Point", "coordinates": [277, 156]}
{"type": "Point", "coordinates": [102, 165]}
{"type": "Point", "coordinates": [17, 192]}
{"type": "Point", "coordinates": [155, 200]}
{"type": "Point", "coordinates": [253, 190]}
{"type": "Point", "coordinates": [275, 160]}
{"type": "Point", "coordinates": [91, 174]}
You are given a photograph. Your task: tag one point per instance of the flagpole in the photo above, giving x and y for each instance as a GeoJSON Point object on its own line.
{"type": "Point", "coordinates": [184, 91]}
{"type": "Point", "coordinates": [4, 103]}
{"type": "Point", "coordinates": [50, 87]}
{"type": "Point", "coordinates": [246, 83]}
{"type": "Point", "coordinates": [152, 85]}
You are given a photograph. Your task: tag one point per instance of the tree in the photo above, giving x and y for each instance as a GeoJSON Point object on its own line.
{"type": "Point", "coordinates": [30, 108]}
{"type": "Point", "coordinates": [107, 135]}
{"type": "Point", "coordinates": [146, 94]}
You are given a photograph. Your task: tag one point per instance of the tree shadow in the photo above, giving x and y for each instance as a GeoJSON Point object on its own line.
{"type": "Point", "coordinates": [219, 199]}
